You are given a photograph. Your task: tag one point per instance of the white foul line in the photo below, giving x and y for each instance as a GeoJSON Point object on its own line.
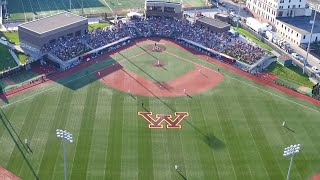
{"type": "Point", "coordinates": [248, 84]}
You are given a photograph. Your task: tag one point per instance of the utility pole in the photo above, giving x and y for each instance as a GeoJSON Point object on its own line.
{"type": "Point", "coordinates": [308, 49]}
{"type": "Point", "coordinates": [238, 15]}
{"type": "Point", "coordinates": [70, 5]}
{"type": "Point", "coordinates": [82, 7]}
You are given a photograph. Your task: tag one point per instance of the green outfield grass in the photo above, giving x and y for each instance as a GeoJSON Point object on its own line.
{"type": "Point", "coordinates": [234, 131]}
{"type": "Point", "coordinates": [91, 27]}
{"type": "Point", "coordinates": [293, 74]}
{"type": "Point", "coordinates": [6, 60]}
{"type": "Point", "coordinates": [28, 9]}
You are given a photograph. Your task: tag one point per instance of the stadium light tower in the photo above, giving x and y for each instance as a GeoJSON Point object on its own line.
{"type": "Point", "coordinates": [66, 136]}
{"type": "Point", "coordinates": [291, 151]}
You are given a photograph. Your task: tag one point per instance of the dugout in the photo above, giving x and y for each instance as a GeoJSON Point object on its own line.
{"type": "Point", "coordinates": [163, 8]}
{"type": "Point", "coordinates": [213, 25]}
{"type": "Point", "coordinates": [47, 30]}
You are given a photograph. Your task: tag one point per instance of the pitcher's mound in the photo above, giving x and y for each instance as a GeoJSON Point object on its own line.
{"type": "Point", "coordinates": [158, 64]}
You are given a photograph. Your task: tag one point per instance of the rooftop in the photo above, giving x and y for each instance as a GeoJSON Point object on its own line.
{"type": "Point", "coordinates": [213, 22]}
{"type": "Point", "coordinates": [302, 24]}
{"type": "Point", "coordinates": [50, 23]}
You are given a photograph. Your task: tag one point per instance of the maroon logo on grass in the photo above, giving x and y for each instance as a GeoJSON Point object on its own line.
{"type": "Point", "coordinates": [160, 118]}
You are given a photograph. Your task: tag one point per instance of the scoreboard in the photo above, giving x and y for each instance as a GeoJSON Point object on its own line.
{"type": "Point", "coordinates": [163, 8]}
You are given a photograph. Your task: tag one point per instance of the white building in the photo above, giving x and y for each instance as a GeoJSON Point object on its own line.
{"type": "Point", "coordinates": [290, 18]}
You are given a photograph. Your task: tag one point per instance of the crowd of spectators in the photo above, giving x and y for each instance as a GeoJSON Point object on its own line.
{"type": "Point", "coordinates": [244, 51]}
{"type": "Point", "coordinates": [66, 48]}
{"type": "Point", "coordinates": [100, 37]}
{"type": "Point", "coordinates": [156, 26]}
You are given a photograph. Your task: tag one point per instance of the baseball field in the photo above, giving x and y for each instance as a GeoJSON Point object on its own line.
{"type": "Point", "coordinates": [231, 127]}
{"type": "Point", "coordinates": [20, 9]}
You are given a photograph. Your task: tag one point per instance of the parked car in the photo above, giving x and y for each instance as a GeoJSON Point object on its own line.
{"type": "Point", "coordinates": [295, 55]}
{"type": "Point", "coordinates": [231, 10]}
{"type": "Point", "coordinates": [315, 69]}
{"type": "Point", "coordinates": [301, 58]}
{"type": "Point", "coordinates": [303, 46]}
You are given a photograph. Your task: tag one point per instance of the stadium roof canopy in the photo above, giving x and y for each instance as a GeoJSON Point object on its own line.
{"type": "Point", "coordinates": [131, 14]}
{"type": "Point", "coordinates": [213, 22]}
{"type": "Point", "coordinates": [53, 22]}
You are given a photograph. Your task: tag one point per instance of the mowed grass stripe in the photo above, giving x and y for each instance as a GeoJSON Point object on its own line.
{"type": "Point", "coordinates": [114, 148]}
{"type": "Point", "coordinates": [10, 139]}
{"type": "Point", "coordinates": [80, 163]}
{"type": "Point", "coordinates": [31, 120]}
{"type": "Point", "coordinates": [231, 136]}
{"type": "Point", "coordinates": [175, 152]}
{"type": "Point", "coordinates": [308, 137]}
{"type": "Point", "coordinates": [97, 158]}
{"type": "Point", "coordinates": [160, 154]}
{"type": "Point", "coordinates": [201, 132]}
{"type": "Point", "coordinates": [53, 144]}
{"type": "Point", "coordinates": [215, 137]}
{"type": "Point", "coordinates": [130, 138]}
{"type": "Point", "coordinates": [145, 161]}
{"type": "Point", "coordinates": [5, 141]}
{"type": "Point", "coordinates": [37, 141]}
{"type": "Point", "coordinates": [250, 157]}
{"type": "Point", "coordinates": [272, 119]}
{"type": "Point", "coordinates": [189, 138]}
{"type": "Point", "coordinates": [250, 113]}
{"type": "Point", "coordinates": [73, 124]}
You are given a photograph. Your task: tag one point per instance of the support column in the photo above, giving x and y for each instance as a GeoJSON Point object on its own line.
{"type": "Point", "coordinates": [1, 13]}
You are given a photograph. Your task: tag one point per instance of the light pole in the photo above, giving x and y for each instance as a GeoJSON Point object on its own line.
{"type": "Point", "coordinates": [70, 5]}
{"type": "Point", "coordinates": [291, 151]}
{"type": "Point", "coordinates": [308, 48]}
{"type": "Point", "coordinates": [66, 136]}
{"type": "Point", "coordinates": [238, 18]}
